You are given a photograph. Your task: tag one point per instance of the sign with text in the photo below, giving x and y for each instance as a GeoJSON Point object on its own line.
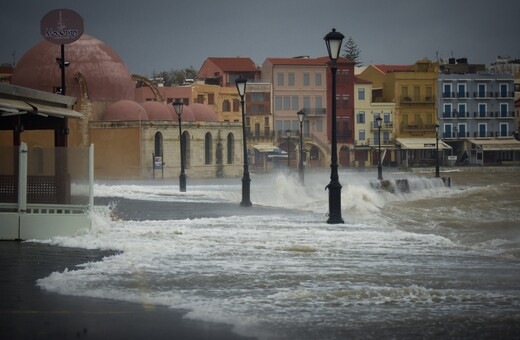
{"type": "Point", "coordinates": [429, 145]}
{"type": "Point", "coordinates": [61, 26]}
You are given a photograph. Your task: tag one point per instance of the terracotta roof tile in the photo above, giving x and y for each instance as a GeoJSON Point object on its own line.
{"type": "Point", "coordinates": [235, 64]}
{"type": "Point", "coordinates": [392, 68]}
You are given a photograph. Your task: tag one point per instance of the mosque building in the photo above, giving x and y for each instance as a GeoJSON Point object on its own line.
{"type": "Point", "coordinates": [132, 139]}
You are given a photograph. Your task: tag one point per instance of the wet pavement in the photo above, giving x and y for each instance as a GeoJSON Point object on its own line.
{"type": "Point", "coordinates": [28, 312]}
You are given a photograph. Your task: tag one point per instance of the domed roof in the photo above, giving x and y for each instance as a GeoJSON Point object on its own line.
{"type": "Point", "coordinates": [125, 110]}
{"type": "Point", "coordinates": [156, 110]}
{"type": "Point", "coordinates": [203, 113]}
{"type": "Point", "coordinates": [187, 114]}
{"type": "Point", "coordinates": [105, 73]}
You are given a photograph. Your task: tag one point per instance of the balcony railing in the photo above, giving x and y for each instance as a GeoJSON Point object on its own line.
{"type": "Point", "coordinates": [417, 127]}
{"type": "Point", "coordinates": [418, 100]}
{"type": "Point", "coordinates": [315, 111]}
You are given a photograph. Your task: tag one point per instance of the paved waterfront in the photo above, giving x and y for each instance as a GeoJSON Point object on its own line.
{"type": "Point", "coordinates": [27, 312]}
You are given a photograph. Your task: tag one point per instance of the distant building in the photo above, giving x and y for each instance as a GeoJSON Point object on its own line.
{"type": "Point", "coordinates": [476, 113]}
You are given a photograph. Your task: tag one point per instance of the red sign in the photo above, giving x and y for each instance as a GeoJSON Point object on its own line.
{"type": "Point", "coordinates": [61, 26]}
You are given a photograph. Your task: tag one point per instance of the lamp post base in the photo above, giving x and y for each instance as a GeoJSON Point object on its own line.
{"type": "Point", "coordinates": [246, 201]}
{"type": "Point", "coordinates": [379, 173]}
{"type": "Point", "coordinates": [182, 182]}
{"type": "Point", "coordinates": [334, 203]}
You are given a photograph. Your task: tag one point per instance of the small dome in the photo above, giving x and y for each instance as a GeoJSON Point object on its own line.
{"type": "Point", "coordinates": [156, 110]}
{"type": "Point", "coordinates": [187, 114]}
{"type": "Point", "coordinates": [125, 110]}
{"type": "Point", "coordinates": [203, 113]}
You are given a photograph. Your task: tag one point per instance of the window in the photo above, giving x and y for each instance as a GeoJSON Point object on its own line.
{"type": "Point", "coordinates": [360, 117]}
{"type": "Point", "coordinates": [503, 109]}
{"type": "Point", "coordinates": [230, 148]}
{"type": "Point", "coordinates": [306, 79]}
{"type": "Point", "coordinates": [361, 94]}
{"type": "Point", "coordinates": [386, 137]}
{"type": "Point", "coordinates": [318, 102]}
{"type": "Point", "coordinates": [290, 79]}
{"type": "Point", "coordinates": [200, 98]}
{"type": "Point", "coordinates": [226, 106]}
{"type": "Point", "coordinates": [504, 127]}
{"type": "Point", "coordinates": [482, 129]}
{"type": "Point", "coordinates": [211, 99]}
{"type": "Point", "coordinates": [461, 90]}
{"type": "Point", "coordinates": [207, 148]}
{"type": "Point", "coordinates": [447, 110]}
{"type": "Point", "coordinates": [362, 135]}
{"type": "Point", "coordinates": [257, 97]}
{"type": "Point", "coordinates": [446, 90]}
{"type": "Point", "coordinates": [306, 102]}
{"type": "Point", "coordinates": [461, 109]}
{"type": "Point", "coordinates": [482, 109]}
{"type": "Point", "coordinates": [236, 105]}
{"type": "Point", "coordinates": [345, 99]}
{"type": "Point", "coordinates": [503, 91]}
{"type": "Point", "coordinates": [318, 79]}
{"type": "Point", "coordinates": [280, 79]}
{"type": "Point", "coordinates": [386, 118]}
{"type": "Point", "coordinates": [286, 103]}
{"type": "Point", "coordinates": [481, 90]}
{"type": "Point", "coordinates": [278, 103]}
{"type": "Point", "coordinates": [294, 101]}
{"type": "Point", "coordinates": [158, 147]}
{"type": "Point", "coordinates": [319, 125]}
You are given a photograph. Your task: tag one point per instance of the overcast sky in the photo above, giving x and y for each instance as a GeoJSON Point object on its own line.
{"type": "Point", "coordinates": [159, 35]}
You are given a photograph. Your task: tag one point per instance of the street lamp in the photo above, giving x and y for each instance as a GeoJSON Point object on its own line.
{"type": "Point", "coordinates": [436, 150]}
{"type": "Point", "coordinates": [246, 201]}
{"type": "Point", "coordinates": [334, 40]}
{"type": "Point", "coordinates": [301, 115]}
{"type": "Point", "coordinates": [379, 167]}
{"type": "Point", "coordinates": [178, 106]}
{"type": "Point", "coordinates": [288, 135]}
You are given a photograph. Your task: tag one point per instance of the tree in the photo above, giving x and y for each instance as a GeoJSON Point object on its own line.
{"type": "Point", "coordinates": [351, 51]}
{"type": "Point", "coordinates": [176, 77]}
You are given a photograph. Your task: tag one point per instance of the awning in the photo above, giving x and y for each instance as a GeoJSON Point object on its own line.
{"type": "Point", "coordinates": [268, 148]}
{"type": "Point", "coordinates": [421, 144]}
{"type": "Point", "coordinates": [12, 107]}
{"type": "Point", "coordinates": [506, 144]}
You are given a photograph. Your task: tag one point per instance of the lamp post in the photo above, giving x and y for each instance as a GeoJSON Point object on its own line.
{"type": "Point", "coordinates": [436, 150]}
{"type": "Point", "coordinates": [288, 135]}
{"type": "Point", "coordinates": [379, 167]}
{"type": "Point", "coordinates": [334, 40]}
{"type": "Point", "coordinates": [178, 106]}
{"type": "Point", "coordinates": [301, 115]}
{"type": "Point", "coordinates": [246, 201]}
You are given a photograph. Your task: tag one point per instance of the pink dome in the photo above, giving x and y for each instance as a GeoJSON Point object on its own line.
{"type": "Point", "coordinates": [156, 110]}
{"type": "Point", "coordinates": [203, 113]}
{"type": "Point", "coordinates": [105, 73]}
{"type": "Point", "coordinates": [125, 110]}
{"type": "Point", "coordinates": [187, 114]}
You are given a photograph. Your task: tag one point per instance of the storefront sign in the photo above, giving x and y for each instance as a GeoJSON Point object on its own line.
{"type": "Point", "coordinates": [61, 26]}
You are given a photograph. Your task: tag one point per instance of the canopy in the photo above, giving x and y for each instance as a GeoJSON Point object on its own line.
{"type": "Point", "coordinates": [12, 107]}
{"type": "Point", "coordinates": [421, 143]}
{"type": "Point", "coordinates": [268, 148]}
{"type": "Point", "coordinates": [506, 144]}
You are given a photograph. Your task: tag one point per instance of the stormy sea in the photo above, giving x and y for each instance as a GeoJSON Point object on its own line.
{"type": "Point", "coordinates": [430, 261]}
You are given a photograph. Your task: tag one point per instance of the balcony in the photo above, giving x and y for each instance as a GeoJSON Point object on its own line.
{"type": "Point", "coordinates": [384, 126]}
{"type": "Point", "coordinates": [417, 127]}
{"type": "Point", "coordinates": [311, 112]}
{"type": "Point", "coordinates": [418, 100]}
{"type": "Point", "coordinates": [505, 94]}
{"type": "Point", "coordinates": [483, 95]}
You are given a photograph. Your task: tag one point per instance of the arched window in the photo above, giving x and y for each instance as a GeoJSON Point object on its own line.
{"type": "Point", "coordinates": [230, 148]}
{"type": "Point", "coordinates": [186, 144]}
{"type": "Point", "coordinates": [208, 147]}
{"type": "Point", "coordinates": [226, 106]}
{"type": "Point", "coordinates": [158, 147]}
